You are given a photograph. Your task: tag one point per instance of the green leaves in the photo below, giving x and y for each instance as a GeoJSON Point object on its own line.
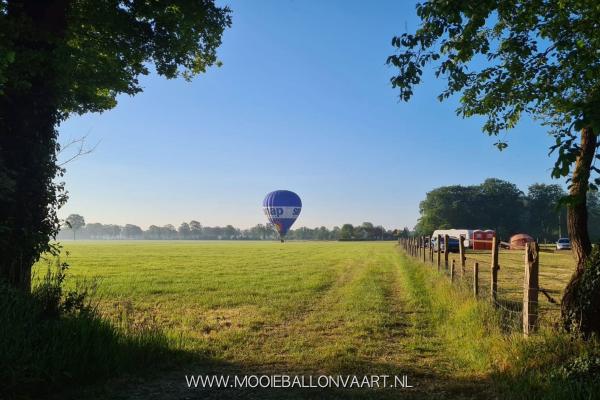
{"type": "Point", "coordinates": [501, 145]}
{"type": "Point", "coordinates": [110, 44]}
{"type": "Point", "coordinates": [506, 58]}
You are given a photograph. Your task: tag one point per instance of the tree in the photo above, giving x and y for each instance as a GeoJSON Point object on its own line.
{"type": "Point", "coordinates": [347, 232]}
{"type": "Point", "coordinates": [450, 207]}
{"type": "Point", "coordinates": [504, 206]}
{"type": "Point", "coordinates": [229, 232]}
{"type": "Point", "coordinates": [366, 231]}
{"type": "Point", "coordinates": [543, 205]}
{"type": "Point", "coordinates": [60, 57]}
{"type": "Point", "coordinates": [75, 222]}
{"type": "Point", "coordinates": [112, 231]}
{"type": "Point", "coordinates": [404, 233]}
{"type": "Point", "coordinates": [132, 232]}
{"type": "Point", "coordinates": [184, 231]}
{"type": "Point", "coordinates": [322, 234]}
{"type": "Point", "coordinates": [540, 58]}
{"type": "Point", "coordinates": [494, 204]}
{"type": "Point", "coordinates": [195, 230]}
{"type": "Point", "coordinates": [168, 232]}
{"type": "Point", "coordinates": [153, 232]}
{"type": "Point", "coordinates": [94, 230]}
{"type": "Point", "coordinates": [335, 233]}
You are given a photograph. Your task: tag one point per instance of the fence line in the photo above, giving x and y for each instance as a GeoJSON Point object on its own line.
{"type": "Point", "coordinates": [520, 308]}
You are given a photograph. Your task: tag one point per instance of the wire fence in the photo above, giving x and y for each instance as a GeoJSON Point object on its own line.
{"type": "Point", "coordinates": [523, 285]}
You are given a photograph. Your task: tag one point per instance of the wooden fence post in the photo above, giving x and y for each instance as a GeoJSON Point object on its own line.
{"type": "Point", "coordinates": [416, 246]}
{"type": "Point", "coordinates": [423, 249]}
{"type": "Point", "coordinates": [461, 251]}
{"type": "Point", "coordinates": [417, 240]}
{"type": "Point", "coordinates": [431, 249]}
{"type": "Point", "coordinates": [446, 251]}
{"type": "Point", "coordinates": [530, 288]}
{"type": "Point", "coordinates": [439, 254]}
{"type": "Point", "coordinates": [476, 279]}
{"type": "Point", "coordinates": [494, 271]}
{"type": "Point", "coordinates": [452, 271]}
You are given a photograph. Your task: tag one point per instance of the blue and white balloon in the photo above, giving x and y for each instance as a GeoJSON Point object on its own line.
{"type": "Point", "coordinates": [282, 207]}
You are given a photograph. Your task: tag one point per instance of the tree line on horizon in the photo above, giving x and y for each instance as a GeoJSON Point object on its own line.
{"type": "Point", "coordinates": [502, 206]}
{"type": "Point", "coordinates": [76, 228]}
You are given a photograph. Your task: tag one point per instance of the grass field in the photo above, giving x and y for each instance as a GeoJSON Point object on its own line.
{"type": "Point", "coordinates": [293, 308]}
{"type": "Point", "coordinates": [294, 305]}
{"type": "Point", "coordinates": [555, 271]}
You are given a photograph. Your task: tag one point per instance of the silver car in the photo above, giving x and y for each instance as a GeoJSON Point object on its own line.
{"type": "Point", "coordinates": [563, 244]}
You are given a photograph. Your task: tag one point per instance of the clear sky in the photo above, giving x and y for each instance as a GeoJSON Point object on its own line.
{"type": "Point", "coordinates": [302, 102]}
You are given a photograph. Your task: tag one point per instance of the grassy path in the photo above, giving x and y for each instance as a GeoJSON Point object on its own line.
{"type": "Point", "coordinates": [360, 309]}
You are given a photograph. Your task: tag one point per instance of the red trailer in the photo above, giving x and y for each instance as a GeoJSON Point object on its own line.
{"type": "Point", "coordinates": [482, 240]}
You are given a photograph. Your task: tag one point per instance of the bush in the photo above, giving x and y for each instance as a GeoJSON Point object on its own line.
{"type": "Point", "coordinates": [50, 338]}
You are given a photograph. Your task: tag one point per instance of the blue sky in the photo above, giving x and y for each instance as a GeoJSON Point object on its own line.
{"type": "Point", "coordinates": [302, 102]}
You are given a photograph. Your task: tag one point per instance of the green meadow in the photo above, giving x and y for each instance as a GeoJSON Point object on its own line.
{"type": "Point", "coordinates": [297, 305]}
{"type": "Point", "coordinates": [306, 308]}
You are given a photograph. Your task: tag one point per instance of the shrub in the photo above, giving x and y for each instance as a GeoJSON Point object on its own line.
{"type": "Point", "coordinates": [51, 337]}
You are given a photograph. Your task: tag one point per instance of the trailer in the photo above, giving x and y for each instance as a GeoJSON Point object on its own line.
{"type": "Point", "coordinates": [482, 240]}
{"type": "Point", "coordinates": [476, 239]}
{"type": "Point", "coordinates": [467, 234]}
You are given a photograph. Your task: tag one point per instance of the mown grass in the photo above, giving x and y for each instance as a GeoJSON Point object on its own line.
{"type": "Point", "coordinates": [294, 308]}
{"type": "Point", "coordinates": [217, 297]}
{"type": "Point", "coordinates": [301, 306]}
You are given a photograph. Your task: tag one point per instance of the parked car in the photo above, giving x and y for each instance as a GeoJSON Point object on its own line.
{"type": "Point", "coordinates": [453, 245]}
{"type": "Point", "coordinates": [563, 244]}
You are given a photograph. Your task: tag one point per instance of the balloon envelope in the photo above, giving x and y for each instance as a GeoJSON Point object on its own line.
{"type": "Point", "coordinates": [282, 207]}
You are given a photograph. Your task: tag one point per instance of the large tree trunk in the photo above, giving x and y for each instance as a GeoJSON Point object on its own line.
{"type": "Point", "coordinates": [577, 223]}
{"type": "Point", "coordinates": [28, 138]}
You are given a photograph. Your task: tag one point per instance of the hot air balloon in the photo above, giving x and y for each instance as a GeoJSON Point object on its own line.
{"type": "Point", "coordinates": [282, 207]}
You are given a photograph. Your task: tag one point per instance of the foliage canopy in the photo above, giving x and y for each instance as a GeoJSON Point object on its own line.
{"type": "Point", "coordinates": [506, 58]}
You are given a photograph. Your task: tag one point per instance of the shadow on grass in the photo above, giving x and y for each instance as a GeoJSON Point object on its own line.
{"type": "Point", "coordinates": [81, 356]}
{"type": "Point", "coordinates": [173, 384]}
{"type": "Point", "coordinates": [42, 353]}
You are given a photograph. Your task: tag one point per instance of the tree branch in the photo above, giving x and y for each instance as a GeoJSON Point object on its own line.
{"type": "Point", "coordinates": [81, 149]}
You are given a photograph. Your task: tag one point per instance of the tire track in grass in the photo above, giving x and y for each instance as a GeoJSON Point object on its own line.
{"type": "Point", "coordinates": [291, 341]}
{"type": "Point", "coordinates": [354, 326]}
{"type": "Point", "coordinates": [263, 345]}
{"type": "Point", "coordinates": [367, 322]}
